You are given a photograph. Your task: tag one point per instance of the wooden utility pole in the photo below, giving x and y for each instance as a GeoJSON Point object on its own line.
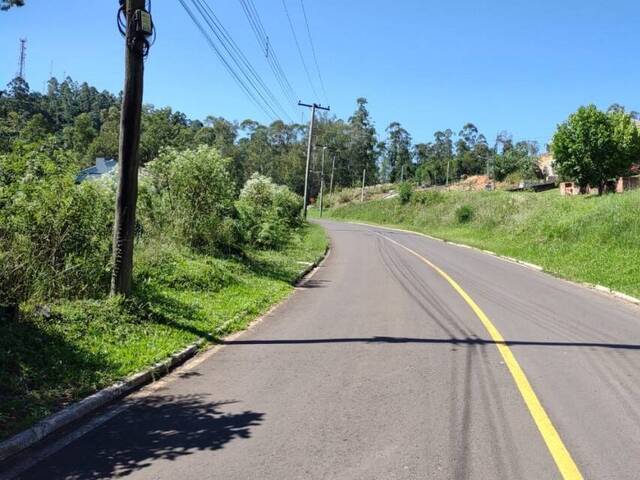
{"type": "Point", "coordinates": [138, 28]}
{"type": "Point", "coordinates": [364, 172]}
{"type": "Point", "coordinates": [322, 181]}
{"type": "Point", "coordinates": [448, 165]}
{"type": "Point", "coordinates": [333, 167]}
{"type": "Point", "coordinates": [313, 108]}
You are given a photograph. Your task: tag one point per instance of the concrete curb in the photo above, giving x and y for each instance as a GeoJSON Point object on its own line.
{"type": "Point", "coordinates": [309, 268]}
{"type": "Point", "coordinates": [64, 417]}
{"type": "Point", "coordinates": [55, 422]}
{"type": "Point", "coordinates": [532, 266]}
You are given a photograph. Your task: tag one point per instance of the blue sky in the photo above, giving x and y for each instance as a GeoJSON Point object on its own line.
{"type": "Point", "coordinates": [513, 65]}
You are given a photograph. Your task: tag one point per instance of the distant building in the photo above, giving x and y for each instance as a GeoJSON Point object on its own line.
{"type": "Point", "coordinates": [627, 183]}
{"type": "Point", "coordinates": [102, 167]}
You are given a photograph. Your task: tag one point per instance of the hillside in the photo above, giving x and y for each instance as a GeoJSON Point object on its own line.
{"type": "Point", "coordinates": [589, 239]}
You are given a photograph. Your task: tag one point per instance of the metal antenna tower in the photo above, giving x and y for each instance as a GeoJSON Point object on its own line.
{"type": "Point", "coordinates": [23, 57]}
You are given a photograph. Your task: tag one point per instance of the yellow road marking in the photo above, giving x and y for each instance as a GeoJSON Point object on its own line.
{"type": "Point", "coordinates": [559, 452]}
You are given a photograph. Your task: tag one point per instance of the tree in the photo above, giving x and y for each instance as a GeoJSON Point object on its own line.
{"type": "Point", "coordinates": [362, 152]}
{"type": "Point", "coordinates": [106, 143]}
{"type": "Point", "coordinates": [469, 159]}
{"type": "Point", "coordinates": [7, 4]}
{"type": "Point", "coordinates": [616, 107]}
{"type": "Point", "coordinates": [521, 158]}
{"type": "Point", "coordinates": [398, 152]}
{"type": "Point", "coordinates": [433, 158]}
{"type": "Point", "coordinates": [80, 136]}
{"type": "Point", "coordinates": [593, 146]}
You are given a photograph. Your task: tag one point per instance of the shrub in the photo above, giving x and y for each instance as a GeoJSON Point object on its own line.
{"type": "Point", "coordinates": [430, 197]}
{"type": "Point", "coordinates": [288, 206]}
{"type": "Point", "coordinates": [55, 236]}
{"type": "Point", "coordinates": [267, 212]}
{"type": "Point", "coordinates": [195, 195]}
{"type": "Point", "coordinates": [405, 192]}
{"type": "Point", "coordinates": [344, 196]}
{"type": "Point", "coordinates": [464, 214]}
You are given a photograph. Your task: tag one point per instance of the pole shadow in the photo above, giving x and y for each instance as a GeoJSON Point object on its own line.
{"type": "Point", "coordinates": [450, 341]}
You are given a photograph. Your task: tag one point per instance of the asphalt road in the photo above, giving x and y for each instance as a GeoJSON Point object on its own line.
{"type": "Point", "coordinates": [378, 368]}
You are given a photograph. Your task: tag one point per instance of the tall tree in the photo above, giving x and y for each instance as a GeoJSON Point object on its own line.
{"type": "Point", "coordinates": [362, 148]}
{"type": "Point", "coordinates": [398, 152]}
{"type": "Point", "coordinates": [468, 160]}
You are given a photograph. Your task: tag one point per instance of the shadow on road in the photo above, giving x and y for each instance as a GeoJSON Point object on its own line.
{"type": "Point", "coordinates": [450, 341]}
{"type": "Point", "coordinates": [314, 283]}
{"type": "Point", "coordinates": [154, 428]}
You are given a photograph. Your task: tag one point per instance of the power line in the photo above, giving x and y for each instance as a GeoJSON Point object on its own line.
{"type": "Point", "coordinates": [232, 58]}
{"type": "Point", "coordinates": [263, 41]}
{"type": "Point", "coordinates": [295, 37]}
{"type": "Point", "coordinates": [240, 59]}
{"type": "Point", "coordinates": [224, 61]}
{"type": "Point", "coordinates": [274, 57]}
{"type": "Point", "coordinates": [313, 50]}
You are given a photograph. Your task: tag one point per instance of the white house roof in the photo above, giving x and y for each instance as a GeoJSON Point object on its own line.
{"type": "Point", "coordinates": [102, 167]}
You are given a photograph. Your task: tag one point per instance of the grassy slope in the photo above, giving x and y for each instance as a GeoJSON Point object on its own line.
{"type": "Point", "coordinates": [588, 239]}
{"type": "Point", "coordinates": [47, 361]}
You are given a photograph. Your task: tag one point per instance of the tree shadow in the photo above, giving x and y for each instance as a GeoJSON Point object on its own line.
{"type": "Point", "coordinates": [272, 269]}
{"type": "Point", "coordinates": [40, 373]}
{"type": "Point", "coordinates": [153, 428]}
{"type": "Point", "coordinates": [156, 306]}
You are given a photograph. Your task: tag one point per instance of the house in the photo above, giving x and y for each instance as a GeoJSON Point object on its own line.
{"type": "Point", "coordinates": [102, 167]}
{"type": "Point", "coordinates": [627, 183]}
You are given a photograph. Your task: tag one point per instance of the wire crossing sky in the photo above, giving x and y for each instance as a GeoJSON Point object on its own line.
{"type": "Point", "coordinates": [503, 65]}
{"type": "Point", "coordinates": [295, 39]}
{"type": "Point", "coordinates": [313, 50]}
{"type": "Point", "coordinates": [269, 51]}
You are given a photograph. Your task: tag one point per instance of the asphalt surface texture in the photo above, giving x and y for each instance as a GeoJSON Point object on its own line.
{"type": "Point", "coordinates": [377, 368]}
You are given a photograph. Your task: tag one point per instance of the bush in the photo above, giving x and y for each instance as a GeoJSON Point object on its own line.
{"type": "Point", "coordinates": [464, 214]}
{"type": "Point", "coordinates": [195, 194]}
{"type": "Point", "coordinates": [344, 196]}
{"type": "Point", "coordinates": [55, 236]}
{"type": "Point", "coordinates": [430, 197]}
{"type": "Point", "coordinates": [288, 206]}
{"type": "Point", "coordinates": [267, 212]}
{"type": "Point", "coordinates": [405, 192]}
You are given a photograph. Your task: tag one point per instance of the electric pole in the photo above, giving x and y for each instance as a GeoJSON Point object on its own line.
{"type": "Point", "coordinates": [448, 163]}
{"type": "Point", "coordinates": [138, 27]}
{"type": "Point", "coordinates": [364, 172]}
{"type": "Point", "coordinates": [402, 174]}
{"type": "Point", "coordinates": [333, 166]}
{"type": "Point", "coordinates": [322, 181]}
{"type": "Point", "coordinates": [313, 108]}
{"type": "Point", "coordinates": [23, 57]}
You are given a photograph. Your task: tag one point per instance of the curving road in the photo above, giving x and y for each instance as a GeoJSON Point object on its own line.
{"type": "Point", "coordinates": [400, 358]}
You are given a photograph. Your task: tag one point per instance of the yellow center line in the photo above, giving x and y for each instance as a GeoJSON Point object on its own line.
{"type": "Point", "coordinates": [559, 452]}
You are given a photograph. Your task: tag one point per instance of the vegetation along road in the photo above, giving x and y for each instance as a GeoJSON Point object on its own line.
{"type": "Point", "coordinates": [401, 357]}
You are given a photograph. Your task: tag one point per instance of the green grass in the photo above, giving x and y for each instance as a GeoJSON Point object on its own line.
{"type": "Point", "coordinates": [585, 238]}
{"type": "Point", "coordinates": [49, 359]}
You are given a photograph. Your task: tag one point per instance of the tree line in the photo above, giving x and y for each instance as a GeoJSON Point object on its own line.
{"type": "Point", "coordinates": [85, 122]}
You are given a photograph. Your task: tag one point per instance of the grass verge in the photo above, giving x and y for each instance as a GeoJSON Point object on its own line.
{"type": "Point", "coordinates": [59, 353]}
{"type": "Point", "coordinates": [585, 238]}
